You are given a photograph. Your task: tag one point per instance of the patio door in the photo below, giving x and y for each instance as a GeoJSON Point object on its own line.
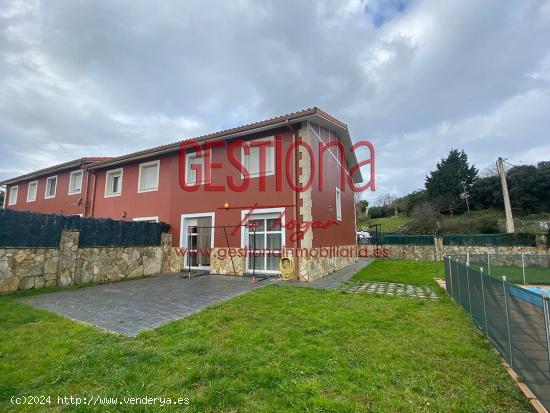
{"type": "Point", "coordinates": [267, 241]}
{"type": "Point", "coordinates": [197, 237]}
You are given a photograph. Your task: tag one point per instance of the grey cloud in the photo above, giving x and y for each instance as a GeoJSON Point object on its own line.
{"type": "Point", "coordinates": [104, 78]}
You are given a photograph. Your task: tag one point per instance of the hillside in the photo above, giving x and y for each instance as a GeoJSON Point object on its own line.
{"type": "Point", "coordinates": [528, 223]}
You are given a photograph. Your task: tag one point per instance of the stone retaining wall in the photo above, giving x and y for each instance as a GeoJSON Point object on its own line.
{"type": "Point", "coordinates": [314, 267]}
{"type": "Point", "coordinates": [26, 268]}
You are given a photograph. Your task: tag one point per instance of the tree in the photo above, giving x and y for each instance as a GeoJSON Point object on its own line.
{"type": "Point", "coordinates": [388, 202]}
{"type": "Point", "coordinates": [452, 177]}
{"type": "Point", "coordinates": [362, 206]}
{"type": "Point", "coordinates": [410, 201]}
{"type": "Point", "coordinates": [486, 193]}
{"type": "Point", "coordinates": [425, 219]}
{"type": "Point", "coordinates": [543, 184]}
{"type": "Point", "coordinates": [524, 187]}
{"type": "Point", "coordinates": [1, 199]}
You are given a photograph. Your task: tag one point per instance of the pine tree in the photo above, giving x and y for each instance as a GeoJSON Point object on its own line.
{"type": "Point", "coordinates": [452, 177]}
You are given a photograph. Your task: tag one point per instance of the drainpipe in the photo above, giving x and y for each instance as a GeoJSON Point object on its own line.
{"type": "Point", "coordinates": [86, 192]}
{"type": "Point", "coordinates": [92, 202]}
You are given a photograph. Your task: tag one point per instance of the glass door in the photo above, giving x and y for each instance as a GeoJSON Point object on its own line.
{"type": "Point", "coordinates": [265, 243]}
{"type": "Point", "coordinates": [198, 241]}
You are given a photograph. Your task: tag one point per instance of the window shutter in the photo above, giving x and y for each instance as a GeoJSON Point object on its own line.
{"type": "Point", "coordinates": [149, 177]}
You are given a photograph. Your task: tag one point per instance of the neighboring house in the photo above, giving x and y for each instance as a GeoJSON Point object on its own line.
{"type": "Point", "coordinates": [60, 189]}
{"type": "Point", "coordinates": [145, 185]}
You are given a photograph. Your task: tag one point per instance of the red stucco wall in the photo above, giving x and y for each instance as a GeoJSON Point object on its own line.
{"type": "Point", "coordinates": [324, 201]}
{"type": "Point", "coordinates": [62, 203]}
{"type": "Point", "coordinates": [171, 201]}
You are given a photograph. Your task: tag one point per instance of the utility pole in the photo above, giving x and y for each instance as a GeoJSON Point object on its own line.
{"type": "Point", "coordinates": [465, 196]}
{"type": "Point", "coordinates": [507, 207]}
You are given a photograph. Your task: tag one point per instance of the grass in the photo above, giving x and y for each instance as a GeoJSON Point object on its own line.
{"type": "Point", "coordinates": [526, 223]}
{"type": "Point", "coordinates": [283, 349]}
{"type": "Point", "coordinates": [388, 224]}
{"type": "Point", "coordinates": [533, 274]}
{"type": "Point", "coordinates": [401, 271]}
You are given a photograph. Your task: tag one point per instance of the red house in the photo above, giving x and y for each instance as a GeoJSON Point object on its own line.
{"type": "Point", "coordinates": [289, 176]}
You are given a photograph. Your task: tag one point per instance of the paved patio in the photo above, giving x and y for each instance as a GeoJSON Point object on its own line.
{"type": "Point", "coordinates": [333, 280]}
{"type": "Point", "coordinates": [133, 306]}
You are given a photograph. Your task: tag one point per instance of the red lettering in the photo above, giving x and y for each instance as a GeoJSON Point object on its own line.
{"type": "Point", "coordinates": [182, 165]}
{"type": "Point", "coordinates": [356, 168]}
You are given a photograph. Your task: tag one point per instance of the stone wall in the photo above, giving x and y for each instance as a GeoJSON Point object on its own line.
{"type": "Point", "coordinates": [222, 263]}
{"type": "Point", "coordinates": [314, 267]}
{"type": "Point", "coordinates": [311, 267]}
{"type": "Point", "coordinates": [437, 251]}
{"type": "Point", "coordinates": [26, 268]}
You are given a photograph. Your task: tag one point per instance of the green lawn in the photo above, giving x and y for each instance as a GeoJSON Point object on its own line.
{"type": "Point", "coordinates": [401, 271]}
{"type": "Point", "coordinates": [283, 349]}
{"type": "Point", "coordinates": [533, 274]}
{"type": "Point", "coordinates": [388, 224]}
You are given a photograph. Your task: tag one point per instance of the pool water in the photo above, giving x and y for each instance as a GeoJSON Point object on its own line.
{"type": "Point", "coordinates": [539, 291]}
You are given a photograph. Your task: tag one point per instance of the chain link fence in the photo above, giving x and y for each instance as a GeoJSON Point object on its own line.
{"type": "Point", "coordinates": [514, 319]}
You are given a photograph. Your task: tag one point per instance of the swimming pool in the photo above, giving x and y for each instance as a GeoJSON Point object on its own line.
{"type": "Point", "coordinates": [532, 295]}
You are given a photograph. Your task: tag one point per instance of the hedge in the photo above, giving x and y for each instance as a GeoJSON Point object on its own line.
{"type": "Point", "coordinates": [30, 229]}
{"type": "Point", "coordinates": [391, 239]}
{"type": "Point", "coordinates": [490, 240]}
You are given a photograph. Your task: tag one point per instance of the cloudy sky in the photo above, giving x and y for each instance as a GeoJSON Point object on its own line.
{"type": "Point", "coordinates": [415, 77]}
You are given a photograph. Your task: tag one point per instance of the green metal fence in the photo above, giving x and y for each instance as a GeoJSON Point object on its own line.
{"type": "Point", "coordinates": [514, 319]}
{"type": "Point", "coordinates": [395, 239]}
{"type": "Point", "coordinates": [490, 240]}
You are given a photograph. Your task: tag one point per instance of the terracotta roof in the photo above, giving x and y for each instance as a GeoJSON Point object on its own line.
{"type": "Point", "coordinates": [81, 162]}
{"type": "Point", "coordinates": [98, 162]}
{"type": "Point", "coordinates": [294, 116]}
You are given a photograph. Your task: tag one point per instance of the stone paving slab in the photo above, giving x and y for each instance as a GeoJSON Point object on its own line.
{"type": "Point", "coordinates": [389, 288]}
{"type": "Point", "coordinates": [333, 280]}
{"type": "Point", "coordinates": [132, 306]}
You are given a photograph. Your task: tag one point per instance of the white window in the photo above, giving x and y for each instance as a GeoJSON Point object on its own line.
{"type": "Point", "coordinates": [31, 191]}
{"type": "Point", "coordinates": [264, 237]}
{"type": "Point", "coordinates": [75, 182]}
{"type": "Point", "coordinates": [252, 160]}
{"type": "Point", "coordinates": [146, 219]}
{"type": "Point", "coordinates": [113, 183]}
{"type": "Point", "coordinates": [338, 204]}
{"type": "Point", "coordinates": [148, 176]}
{"type": "Point", "coordinates": [51, 187]}
{"type": "Point", "coordinates": [14, 190]}
{"type": "Point", "coordinates": [191, 175]}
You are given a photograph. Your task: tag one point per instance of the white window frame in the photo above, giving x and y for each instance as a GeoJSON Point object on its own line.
{"type": "Point", "coordinates": [338, 204]}
{"type": "Point", "coordinates": [144, 165]}
{"type": "Point", "coordinates": [146, 219]}
{"type": "Point", "coordinates": [71, 177]}
{"type": "Point", "coordinates": [35, 191]}
{"type": "Point", "coordinates": [46, 196]}
{"type": "Point", "coordinates": [244, 232]}
{"type": "Point", "coordinates": [184, 238]}
{"type": "Point", "coordinates": [16, 187]}
{"type": "Point", "coordinates": [109, 173]}
{"type": "Point", "coordinates": [245, 158]}
{"type": "Point", "coordinates": [206, 174]}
